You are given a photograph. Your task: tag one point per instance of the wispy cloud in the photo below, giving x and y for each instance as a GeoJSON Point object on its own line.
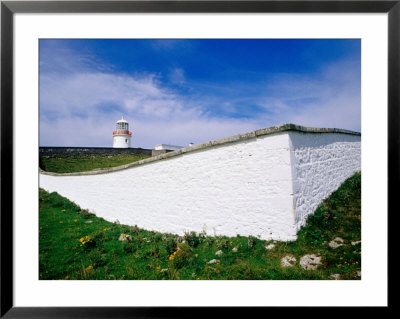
{"type": "Point", "coordinates": [177, 76]}
{"type": "Point", "coordinates": [332, 98]}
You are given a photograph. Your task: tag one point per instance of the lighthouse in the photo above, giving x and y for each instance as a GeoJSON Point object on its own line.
{"type": "Point", "coordinates": [122, 136]}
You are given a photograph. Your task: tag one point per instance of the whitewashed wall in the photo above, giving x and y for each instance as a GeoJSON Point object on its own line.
{"type": "Point", "coordinates": [262, 186]}
{"type": "Point", "coordinates": [320, 164]}
{"type": "Point", "coordinates": [238, 188]}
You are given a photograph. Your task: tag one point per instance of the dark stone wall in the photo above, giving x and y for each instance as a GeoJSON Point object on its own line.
{"type": "Point", "coordinates": [46, 150]}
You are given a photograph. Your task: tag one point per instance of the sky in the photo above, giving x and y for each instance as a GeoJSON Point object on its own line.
{"type": "Point", "coordinates": [192, 91]}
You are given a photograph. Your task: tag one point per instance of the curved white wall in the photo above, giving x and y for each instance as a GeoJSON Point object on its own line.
{"type": "Point", "coordinates": [262, 186]}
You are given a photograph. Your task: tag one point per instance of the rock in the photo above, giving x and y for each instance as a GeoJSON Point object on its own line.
{"type": "Point", "coordinates": [334, 276]}
{"type": "Point", "coordinates": [164, 269]}
{"type": "Point", "coordinates": [219, 253]}
{"type": "Point", "coordinates": [234, 249]}
{"type": "Point", "coordinates": [359, 273]}
{"type": "Point", "coordinates": [251, 242]}
{"type": "Point", "coordinates": [117, 222]}
{"type": "Point", "coordinates": [335, 243]}
{"type": "Point", "coordinates": [356, 242]}
{"type": "Point", "coordinates": [288, 261]}
{"type": "Point", "coordinates": [310, 262]}
{"type": "Point", "coordinates": [88, 222]}
{"type": "Point", "coordinates": [124, 237]}
{"type": "Point", "coordinates": [270, 246]}
{"type": "Point", "coordinates": [213, 261]}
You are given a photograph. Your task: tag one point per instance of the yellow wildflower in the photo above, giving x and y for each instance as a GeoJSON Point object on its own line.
{"type": "Point", "coordinates": [89, 268]}
{"type": "Point", "coordinates": [158, 267]}
{"type": "Point", "coordinates": [85, 239]}
{"type": "Point", "coordinates": [61, 221]}
{"type": "Point", "coordinates": [173, 255]}
{"type": "Point", "coordinates": [63, 210]}
{"type": "Point", "coordinates": [75, 220]}
{"type": "Point", "coordinates": [196, 255]}
{"type": "Point", "coordinates": [105, 229]}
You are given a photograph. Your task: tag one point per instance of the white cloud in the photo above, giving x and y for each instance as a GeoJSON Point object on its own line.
{"type": "Point", "coordinates": [331, 99]}
{"type": "Point", "coordinates": [70, 113]}
{"type": "Point", "coordinates": [177, 76]}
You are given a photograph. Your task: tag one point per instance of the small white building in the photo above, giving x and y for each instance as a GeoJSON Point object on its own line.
{"type": "Point", "coordinates": [122, 136]}
{"type": "Point", "coordinates": [167, 147]}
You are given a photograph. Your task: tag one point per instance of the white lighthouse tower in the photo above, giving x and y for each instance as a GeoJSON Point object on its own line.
{"type": "Point", "coordinates": [122, 136]}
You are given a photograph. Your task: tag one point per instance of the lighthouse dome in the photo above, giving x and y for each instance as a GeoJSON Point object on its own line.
{"type": "Point", "coordinates": [122, 120]}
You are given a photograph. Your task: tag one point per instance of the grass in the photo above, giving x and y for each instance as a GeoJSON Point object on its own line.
{"type": "Point", "coordinates": [85, 162]}
{"type": "Point", "coordinates": [75, 244]}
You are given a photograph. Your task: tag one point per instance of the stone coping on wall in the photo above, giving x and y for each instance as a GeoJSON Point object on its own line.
{"type": "Point", "coordinates": [196, 147]}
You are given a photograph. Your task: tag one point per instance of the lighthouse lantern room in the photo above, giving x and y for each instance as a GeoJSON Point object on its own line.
{"type": "Point", "coordinates": [122, 136]}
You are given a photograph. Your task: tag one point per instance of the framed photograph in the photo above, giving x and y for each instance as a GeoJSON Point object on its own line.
{"type": "Point", "coordinates": [164, 155]}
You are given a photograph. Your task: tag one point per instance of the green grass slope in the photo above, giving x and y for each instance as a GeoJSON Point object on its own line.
{"type": "Point", "coordinates": [74, 244]}
{"type": "Point", "coordinates": [81, 162]}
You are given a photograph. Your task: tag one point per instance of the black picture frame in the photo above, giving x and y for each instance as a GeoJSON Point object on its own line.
{"type": "Point", "coordinates": [9, 8]}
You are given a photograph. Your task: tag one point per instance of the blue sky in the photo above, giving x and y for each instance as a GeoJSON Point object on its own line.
{"type": "Point", "coordinates": [182, 91]}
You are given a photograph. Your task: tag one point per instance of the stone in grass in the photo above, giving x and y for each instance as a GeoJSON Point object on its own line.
{"type": "Point", "coordinates": [356, 242]}
{"type": "Point", "coordinates": [359, 274]}
{"type": "Point", "coordinates": [124, 237]}
{"type": "Point", "coordinates": [270, 246]}
{"type": "Point", "coordinates": [235, 249]}
{"type": "Point", "coordinates": [334, 276]}
{"type": "Point", "coordinates": [219, 253]}
{"type": "Point", "coordinates": [88, 222]}
{"type": "Point", "coordinates": [213, 261]}
{"type": "Point", "coordinates": [288, 261]}
{"type": "Point", "coordinates": [310, 262]}
{"type": "Point", "coordinates": [337, 242]}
